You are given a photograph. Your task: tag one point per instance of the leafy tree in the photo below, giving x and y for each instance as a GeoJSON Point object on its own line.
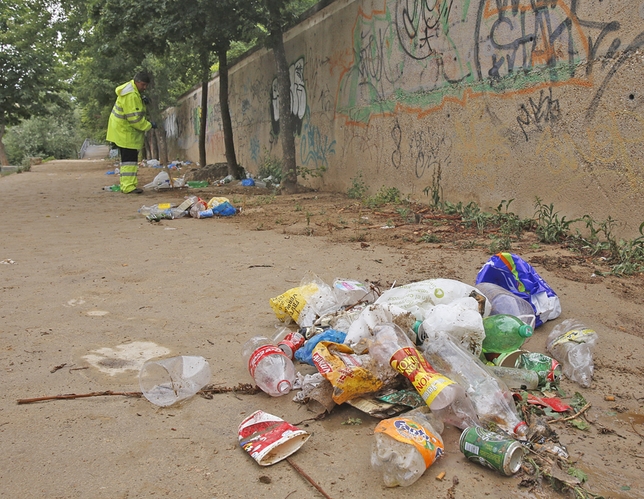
{"type": "Point", "coordinates": [30, 73]}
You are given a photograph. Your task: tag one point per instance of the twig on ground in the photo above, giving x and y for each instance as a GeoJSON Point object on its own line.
{"type": "Point", "coordinates": [583, 409]}
{"type": "Point", "coordinates": [78, 396]}
{"type": "Point", "coordinates": [308, 478]}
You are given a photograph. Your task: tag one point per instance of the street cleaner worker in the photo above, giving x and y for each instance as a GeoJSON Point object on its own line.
{"type": "Point", "coordinates": [127, 127]}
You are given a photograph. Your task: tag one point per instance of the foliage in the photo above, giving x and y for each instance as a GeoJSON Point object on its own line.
{"type": "Point", "coordinates": [53, 135]}
{"type": "Point", "coordinates": [550, 227]}
{"type": "Point", "coordinates": [270, 166]}
{"type": "Point", "coordinates": [384, 196]}
{"type": "Point", "coordinates": [358, 187]}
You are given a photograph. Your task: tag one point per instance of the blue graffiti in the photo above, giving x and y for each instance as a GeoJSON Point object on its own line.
{"type": "Point", "coordinates": [254, 149]}
{"type": "Point", "coordinates": [315, 148]}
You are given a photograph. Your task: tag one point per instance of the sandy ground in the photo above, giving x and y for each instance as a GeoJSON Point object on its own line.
{"type": "Point", "coordinates": [85, 278]}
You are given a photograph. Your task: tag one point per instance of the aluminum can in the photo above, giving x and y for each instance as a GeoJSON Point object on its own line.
{"type": "Point", "coordinates": [291, 343]}
{"type": "Point", "coordinates": [492, 450]}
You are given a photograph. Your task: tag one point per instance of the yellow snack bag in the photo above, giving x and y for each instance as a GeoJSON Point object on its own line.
{"type": "Point", "coordinates": [344, 370]}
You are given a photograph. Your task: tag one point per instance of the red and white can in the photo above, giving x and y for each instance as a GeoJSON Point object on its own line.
{"type": "Point", "coordinates": [290, 343]}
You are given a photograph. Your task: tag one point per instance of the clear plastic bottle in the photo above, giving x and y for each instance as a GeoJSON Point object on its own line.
{"type": "Point", "coordinates": [506, 302]}
{"type": "Point", "coordinates": [405, 446]}
{"type": "Point", "coordinates": [522, 379]}
{"type": "Point", "coordinates": [571, 343]}
{"type": "Point", "coordinates": [271, 369]}
{"type": "Point", "coordinates": [491, 397]}
{"type": "Point", "coordinates": [393, 347]}
{"type": "Point", "coordinates": [504, 333]}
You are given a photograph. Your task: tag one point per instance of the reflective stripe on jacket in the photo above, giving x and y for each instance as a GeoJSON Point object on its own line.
{"type": "Point", "coordinates": [127, 124]}
{"type": "Point", "coordinates": [129, 179]}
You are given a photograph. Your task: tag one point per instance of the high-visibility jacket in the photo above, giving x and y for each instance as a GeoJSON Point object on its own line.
{"type": "Point", "coordinates": [127, 124]}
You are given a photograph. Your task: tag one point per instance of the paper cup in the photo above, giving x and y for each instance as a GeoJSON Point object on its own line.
{"type": "Point", "coordinates": [167, 381]}
{"type": "Point", "coordinates": [269, 439]}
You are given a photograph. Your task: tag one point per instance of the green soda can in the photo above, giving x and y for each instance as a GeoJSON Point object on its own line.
{"type": "Point", "coordinates": [492, 450]}
{"type": "Point", "coordinates": [548, 369]}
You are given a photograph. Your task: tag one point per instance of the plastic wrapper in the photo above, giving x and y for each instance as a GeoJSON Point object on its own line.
{"type": "Point", "coordinates": [572, 343]}
{"type": "Point", "coordinates": [345, 370]}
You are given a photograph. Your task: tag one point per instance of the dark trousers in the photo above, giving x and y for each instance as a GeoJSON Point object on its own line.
{"type": "Point", "coordinates": [129, 155]}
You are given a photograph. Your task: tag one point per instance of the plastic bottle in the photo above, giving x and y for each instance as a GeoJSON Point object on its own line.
{"type": "Point", "coordinates": [271, 369]}
{"type": "Point", "coordinates": [491, 397]}
{"type": "Point", "coordinates": [571, 343]}
{"type": "Point", "coordinates": [504, 333]}
{"type": "Point", "coordinates": [405, 446]}
{"type": "Point", "coordinates": [506, 302]}
{"type": "Point", "coordinates": [443, 396]}
{"type": "Point", "coordinates": [516, 378]}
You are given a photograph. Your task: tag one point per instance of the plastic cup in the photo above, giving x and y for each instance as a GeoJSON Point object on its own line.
{"type": "Point", "coordinates": [167, 381]}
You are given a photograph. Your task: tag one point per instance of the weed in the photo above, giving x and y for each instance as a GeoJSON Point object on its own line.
{"type": "Point", "coordinates": [384, 196]}
{"type": "Point", "coordinates": [270, 166]}
{"type": "Point", "coordinates": [435, 191]}
{"type": "Point", "coordinates": [358, 238]}
{"type": "Point", "coordinates": [358, 187]}
{"type": "Point", "coordinates": [308, 217]}
{"type": "Point", "coordinates": [260, 200]}
{"type": "Point", "coordinates": [430, 238]}
{"type": "Point", "coordinates": [549, 227]}
{"type": "Point", "coordinates": [298, 207]}
{"type": "Point", "coordinates": [500, 244]}
{"type": "Point", "coordinates": [279, 221]}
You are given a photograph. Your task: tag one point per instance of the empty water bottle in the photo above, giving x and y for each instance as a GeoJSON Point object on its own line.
{"type": "Point", "coordinates": [271, 369]}
{"type": "Point", "coordinates": [571, 343]}
{"type": "Point", "coordinates": [504, 333]}
{"type": "Point", "coordinates": [491, 397]}
{"type": "Point", "coordinates": [405, 446]}
{"type": "Point", "coordinates": [506, 302]}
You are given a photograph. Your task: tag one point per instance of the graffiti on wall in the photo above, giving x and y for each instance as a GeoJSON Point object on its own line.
{"type": "Point", "coordinates": [298, 97]}
{"type": "Point", "coordinates": [414, 55]}
{"type": "Point", "coordinates": [539, 110]}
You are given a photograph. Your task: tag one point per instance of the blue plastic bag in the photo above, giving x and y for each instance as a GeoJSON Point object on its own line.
{"type": "Point", "coordinates": [248, 181]}
{"type": "Point", "coordinates": [516, 275]}
{"type": "Point", "coordinates": [224, 209]}
{"type": "Point", "coordinates": [305, 354]}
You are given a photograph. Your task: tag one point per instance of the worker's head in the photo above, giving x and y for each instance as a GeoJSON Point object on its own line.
{"type": "Point", "coordinates": [141, 80]}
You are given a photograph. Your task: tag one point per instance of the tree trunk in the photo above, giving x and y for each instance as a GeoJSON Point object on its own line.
{"type": "Point", "coordinates": [231, 158]}
{"type": "Point", "coordinates": [287, 123]}
{"type": "Point", "coordinates": [4, 161]}
{"type": "Point", "coordinates": [203, 121]}
{"type": "Point", "coordinates": [162, 145]}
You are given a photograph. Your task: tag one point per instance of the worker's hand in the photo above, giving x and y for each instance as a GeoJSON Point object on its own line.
{"type": "Point", "coordinates": [145, 99]}
{"type": "Point", "coordinates": [154, 125]}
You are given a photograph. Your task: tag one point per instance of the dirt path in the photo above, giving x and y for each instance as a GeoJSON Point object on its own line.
{"type": "Point", "coordinates": [83, 273]}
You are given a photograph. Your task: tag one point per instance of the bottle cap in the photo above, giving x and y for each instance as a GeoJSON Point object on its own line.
{"type": "Point", "coordinates": [525, 331]}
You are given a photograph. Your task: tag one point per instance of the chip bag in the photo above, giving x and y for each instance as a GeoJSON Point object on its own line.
{"type": "Point", "coordinates": [345, 371]}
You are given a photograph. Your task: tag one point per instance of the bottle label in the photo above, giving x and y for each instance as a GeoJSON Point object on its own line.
{"type": "Point", "coordinates": [575, 336]}
{"type": "Point", "coordinates": [261, 353]}
{"type": "Point", "coordinates": [409, 432]}
{"type": "Point", "coordinates": [427, 382]}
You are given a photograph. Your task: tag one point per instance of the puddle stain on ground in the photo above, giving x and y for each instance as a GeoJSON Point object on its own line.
{"type": "Point", "coordinates": [125, 357]}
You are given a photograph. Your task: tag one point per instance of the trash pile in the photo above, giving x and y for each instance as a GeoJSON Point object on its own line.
{"type": "Point", "coordinates": [192, 206]}
{"type": "Point", "coordinates": [418, 357]}
{"type": "Point", "coordinates": [427, 354]}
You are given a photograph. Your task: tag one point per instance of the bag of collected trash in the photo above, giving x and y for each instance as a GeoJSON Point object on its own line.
{"type": "Point", "coordinates": [305, 303]}
{"type": "Point", "coordinates": [418, 297]}
{"type": "Point", "coordinates": [361, 330]}
{"type": "Point", "coordinates": [513, 273]}
{"type": "Point", "coordinates": [162, 180]}
{"type": "Point", "coordinates": [305, 353]}
{"type": "Point", "coordinates": [345, 370]}
{"type": "Point", "coordinates": [224, 209]}
{"type": "Point", "coordinates": [460, 319]}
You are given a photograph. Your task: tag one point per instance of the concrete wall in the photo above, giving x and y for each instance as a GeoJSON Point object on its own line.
{"type": "Point", "coordinates": [488, 100]}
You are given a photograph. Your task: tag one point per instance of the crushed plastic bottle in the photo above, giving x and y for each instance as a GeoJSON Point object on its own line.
{"type": "Point", "coordinates": [506, 302]}
{"type": "Point", "coordinates": [269, 366]}
{"type": "Point", "coordinates": [405, 446]}
{"type": "Point", "coordinates": [521, 379]}
{"type": "Point", "coordinates": [572, 344]}
{"type": "Point", "coordinates": [491, 397]}
{"type": "Point", "coordinates": [504, 333]}
{"type": "Point", "coordinates": [444, 397]}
